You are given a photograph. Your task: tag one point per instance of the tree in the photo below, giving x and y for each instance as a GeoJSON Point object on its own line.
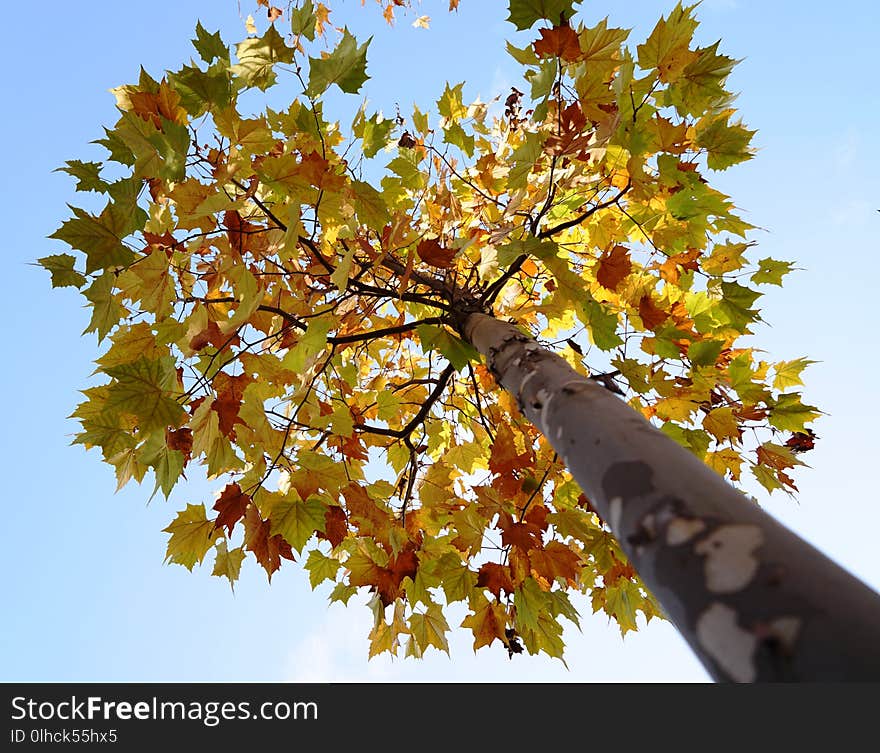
{"type": "Point", "coordinates": [365, 355]}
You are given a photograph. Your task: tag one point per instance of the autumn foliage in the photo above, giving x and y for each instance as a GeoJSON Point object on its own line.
{"type": "Point", "coordinates": [275, 316]}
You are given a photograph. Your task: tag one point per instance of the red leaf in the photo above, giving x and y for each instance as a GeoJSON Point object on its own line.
{"type": "Point", "coordinates": [231, 505]}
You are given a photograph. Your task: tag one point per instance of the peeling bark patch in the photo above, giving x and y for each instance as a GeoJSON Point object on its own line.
{"type": "Point", "coordinates": [615, 510]}
{"type": "Point", "coordinates": [727, 643]}
{"type": "Point", "coordinates": [730, 561]}
{"type": "Point", "coordinates": [628, 479]}
{"type": "Point", "coordinates": [782, 633]}
{"type": "Point", "coordinates": [681, 530]}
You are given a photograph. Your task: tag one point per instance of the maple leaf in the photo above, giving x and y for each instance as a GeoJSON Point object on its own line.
{"type": "Point", "coordinates": [267, 548]}
{"type": "Point", "coordinates": [613, 267]}
{"type": "Point", "coordinates": [434, 254]}
{"type": "Point", "coordinates": [192, 535]}
{"type": "Point", "coordinates": [495, 578]}
{"type": "Point", "coordinates": [335, 526]}
{"type": "Point", "coordinates": [651, 314]}
{"type": "Point", "coordinates": [554, 561]}
{"type": "Point", "coordinates": [801, 441]}
{"type": "Point", "coordinates": [346, 67]}
{"type": "Point", "coordinates": [487, 622]}
{"type": "Point", "coordinates": [227, 564]}
{"type": "Point", "coordinates": [143, 388]}
{"type": "Point", "coordinates": [231, 506]}
{"type": "Point", "coordinates": [560, 41]}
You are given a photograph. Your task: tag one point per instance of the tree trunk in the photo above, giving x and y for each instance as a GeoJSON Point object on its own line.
{"type": "Point", "coordinates": [754, 601]}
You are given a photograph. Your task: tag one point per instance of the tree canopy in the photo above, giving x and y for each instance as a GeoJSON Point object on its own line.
{"type": "Point", "coordinates": [281, 300]}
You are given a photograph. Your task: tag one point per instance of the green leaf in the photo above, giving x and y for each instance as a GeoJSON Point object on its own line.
{"type": "Point", "coordinates": [705, 353]}
{"type": "Point", "coordinates": [370, 205]}
{"type": "Point", "coordinates": [725, 144]}
{"type": "Point", "coordinates": [667, 46]}
{"type": "Point", "coordinates": [200, 90]}
{"type": "Point", "coordinates": [735, 305]}
{"type": "Point", "coordinates": [87, 175]}
{"type": "Point", "coordinates": [788, 413]}
{"type": "Point", "coordinates": [92, 235]}
{"type": "Point", "coordinates": [601, 323]}
{"type": "Point", "coordinates": [456, 136]}
{"type": "Point", "coordinates": [310, 343]}
{"type": "Point", "coordinates": [525, 13]}
{"type": "Point", "coordinates": [209, 46]}
{"type": "Point", "coordinates": [303, 20]}
{"type": "Point", "coordinates": [227, 564]}
{"type": "Point", "coordinates": [621, 601]}
{"type": "Point", "coordinates": [297, 520]}
{"type": "Point", "coordinates": [430, 628]}
{"type": "Point", "coordinates": [320, 567]}
{"type": "Point", "coordinates": [192, 535]}
{"type": "Point", "coordinates": [167, 464]}
{"type": "Point", "coordinates": [455, 350]}
{"type": "Point", "coordinates": [258, 57]}
{"type": "Point", "coordinates": [771, 272]}
{"type": "Point", "coordinates": [346, 67]}
{"type": "Point", "coordinates": [106, 309]}
{"type": "Point", "coordinates": [61, 268]}
{"type": "Point", "coordinates": [374, 132]}
{"type": "Point", "coordinates": [143, 388]}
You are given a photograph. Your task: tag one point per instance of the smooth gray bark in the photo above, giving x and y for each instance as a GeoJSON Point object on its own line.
{"type": "Point", "coordinates": [753, 600]}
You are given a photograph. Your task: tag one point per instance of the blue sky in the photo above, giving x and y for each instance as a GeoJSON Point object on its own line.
{"type": "Point", "coordinates": [86, 595]}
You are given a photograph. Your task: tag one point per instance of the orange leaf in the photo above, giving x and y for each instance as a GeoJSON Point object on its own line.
{"type": "Point", "coordinates": [556, 560]}
{"type": "Point", "coordinates": [560, 41]}
{"type": "Point", "coordinates": [613, 267]}
{"type": "Point", "coordinates": [434, 254]}
{"type": "Point", "coordinates": [505, 457]}
{"type": "Point", "coordinates": [495, 578]}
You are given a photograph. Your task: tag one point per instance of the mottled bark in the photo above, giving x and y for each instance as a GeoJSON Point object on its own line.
{"type": "Point", "coordinates": [753, 600]}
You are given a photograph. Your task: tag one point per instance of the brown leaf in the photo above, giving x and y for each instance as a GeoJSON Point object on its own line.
{"type": "Point", "coordinates": [212, 335]}
{"type": "Point", "coordinates": [267, 549]}
{"type": "Point", "coordinates": [274, 13]}
{"type": "Point", "coordinates": [495, 578]}
{"type": "Point", "coordinates": [560, 41]}
{"type": "Point", "coordinates": [525, 535]}
{"type": "Point", "coordinates": [614, 266]}
{"type": "Point", "coordinates": [801, 441]}
{"type": "Point", "coordinates": [335, 526]}
{"type": "Point", "coordinates": [434, 254]}
{"type": "Point", "coordinates": [364, 514]}
{"type": "Point", "coordinates": [652, 315]}
{"type": "Point", "coordinates": [181, 439]}
{"type": "Point", "coordinates": [231, 507]}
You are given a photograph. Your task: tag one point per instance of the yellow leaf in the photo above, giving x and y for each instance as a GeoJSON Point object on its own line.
{"type": "Point", "coordinates": [722, 424]}
{"type": "Point", "coordinates": [422, 22]}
